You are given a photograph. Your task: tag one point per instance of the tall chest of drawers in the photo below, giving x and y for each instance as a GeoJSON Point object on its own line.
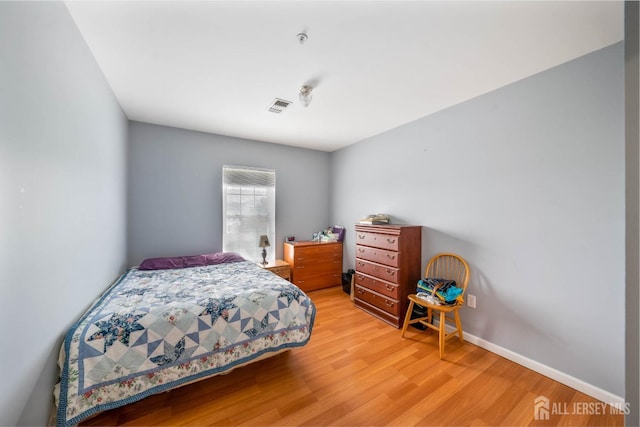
{"type": "Point", "coordinates": [388, 267]}
{"type": "Point", "coordinates": [314, 265]}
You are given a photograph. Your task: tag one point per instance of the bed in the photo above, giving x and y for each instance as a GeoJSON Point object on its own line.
{"type": "Point", "coordinates": [181, 320]}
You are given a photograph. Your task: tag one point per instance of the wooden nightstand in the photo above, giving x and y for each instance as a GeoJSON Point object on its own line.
{"type": "Point", "coordinates": [278, 267]}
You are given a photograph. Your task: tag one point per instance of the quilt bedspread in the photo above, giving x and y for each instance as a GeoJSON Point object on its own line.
{"type": "Point", "coordinates": [156, 330]}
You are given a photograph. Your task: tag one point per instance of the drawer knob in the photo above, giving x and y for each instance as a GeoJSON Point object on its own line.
{"type": "Point", "coordinates": [361, 264]}
{"type": "Point", "coordinates": [360, 277]}
{"type": "Point", "coordinates": [391, 272]}
{"type": "Point", "coordinates": [360, 250]}
{"type": "Point", "coordinates": [360, 291]}
{"type": "Point", "coordinates": [360, 236]}
{"type": "Point", "coordinates": [389, 303]}
{"type": "Point", "coordinates": [391, 256]}
{"type": "Point", "coordinates": [391, 240]}
{"type": "Point", "coordinates": [389, 287]}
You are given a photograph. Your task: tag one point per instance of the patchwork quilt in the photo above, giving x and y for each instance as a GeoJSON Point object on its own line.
{"type": "Point", "coordinates": [155, 330]}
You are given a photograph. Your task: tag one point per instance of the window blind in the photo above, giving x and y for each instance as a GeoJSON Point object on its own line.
{"type": "Point", "coordinates": [248, 205]}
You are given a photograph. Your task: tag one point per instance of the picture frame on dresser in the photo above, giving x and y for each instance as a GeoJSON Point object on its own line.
{"type": "Point", "coordinates": [388, 267]}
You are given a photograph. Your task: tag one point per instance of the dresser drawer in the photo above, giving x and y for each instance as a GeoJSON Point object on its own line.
{"type": "Point", "coordinates": [377, 240]}
{"type": "Point", "coordinates": [316, 281]}
{"type": "Point", "coordinates": [278, 267]}
{"type": "Point", "coordinates": [381, 256]}
{"type": "Point", "coordinates": [284, 272]}
{"type": "Point", "coordinates": [384, 303]}
{"type": "Point", "coordinates": [395, 321]}
{"type": "Point", "coordinates": [317, 253]}
{"type": "Point", "coordinates": [390, 274]}
{"type": "Point", "coordinates": [319, 266]}
{"type": "Point", "coordinates": [380, 286]}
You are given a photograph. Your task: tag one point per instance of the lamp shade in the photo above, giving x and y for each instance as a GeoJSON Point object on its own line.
{"type": "Point", "coordinates": [264, 241]}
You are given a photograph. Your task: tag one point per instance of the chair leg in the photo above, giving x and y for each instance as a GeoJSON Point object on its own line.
{"type": "Point", "coordinates": [458, 325]}
{"type": "Point", "coordinates": [442, 334]}
{"type": "Point", "coordinates": [407, 317]}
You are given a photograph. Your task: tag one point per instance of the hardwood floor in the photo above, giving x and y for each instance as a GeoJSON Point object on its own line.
{"type": "Point", "coordinates": [358, 371]}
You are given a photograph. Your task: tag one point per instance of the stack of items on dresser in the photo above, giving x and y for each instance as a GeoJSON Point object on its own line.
{"type": "Point", "coordinates": [331, 234]}
{"type": "Point", "coordinates": [375, 219]}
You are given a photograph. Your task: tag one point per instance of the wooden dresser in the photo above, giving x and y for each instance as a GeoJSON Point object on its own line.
{"type": "Point", "coordinates": [388, 267]}
{"type": "Point", "coordinates": [314, 265]}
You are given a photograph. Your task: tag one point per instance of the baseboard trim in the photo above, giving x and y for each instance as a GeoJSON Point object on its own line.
{"type": "Point", "coordinates": [561, 377]}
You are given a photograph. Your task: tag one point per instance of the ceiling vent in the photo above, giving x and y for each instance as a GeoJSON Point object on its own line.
{"type": "Point", "coordinates": [279, 105]}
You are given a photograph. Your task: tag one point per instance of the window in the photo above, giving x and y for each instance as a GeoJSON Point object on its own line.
{"type": "Point", "coordinates": [248, 210]}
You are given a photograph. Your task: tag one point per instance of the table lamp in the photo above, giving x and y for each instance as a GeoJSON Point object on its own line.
{"type": "Point", "coordinates": [264, 243]}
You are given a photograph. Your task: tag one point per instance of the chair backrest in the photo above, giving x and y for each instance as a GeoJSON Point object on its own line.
{"type": "Point", "coordinates": [451, 267]}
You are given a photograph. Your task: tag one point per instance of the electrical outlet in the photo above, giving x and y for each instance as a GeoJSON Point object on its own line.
{"type": "Point", "coordinates": [471, 301]}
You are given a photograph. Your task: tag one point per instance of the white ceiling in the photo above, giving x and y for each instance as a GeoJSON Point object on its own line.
{"type": "Point", "coordinates": [216, 66]}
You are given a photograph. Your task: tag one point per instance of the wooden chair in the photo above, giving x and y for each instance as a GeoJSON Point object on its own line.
{"type": "Point", "coordinates": [443, 266]}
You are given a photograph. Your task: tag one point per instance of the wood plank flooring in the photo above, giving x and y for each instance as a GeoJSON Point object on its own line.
{"type": "Point", "coordinates": [358, 371]}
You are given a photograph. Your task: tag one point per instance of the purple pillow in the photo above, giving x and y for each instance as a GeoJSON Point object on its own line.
{"type": "Point", "coordinates": [166, 263]}
{"type": "Point", "coordinates": [222, 257]}
{"type": "Point", "coordinates": [161, 263]}
{"type": "Point", "coordinates": [194, 261]}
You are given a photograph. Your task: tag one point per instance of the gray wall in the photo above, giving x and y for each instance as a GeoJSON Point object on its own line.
{"type": "Point", "coordinates": [632, 156]}
{"type": "Point", "coordinates": [175, 189]}
{"type": "Point", "coordinates": [526, 183]}
{"type": "Point", "coordinates": [62, 197]}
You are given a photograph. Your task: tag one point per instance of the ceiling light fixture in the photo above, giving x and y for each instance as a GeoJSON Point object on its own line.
{"type": "Point", "coordinates": [302, 37]}
{"type": "Point", "coordinates": [305, 95]}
